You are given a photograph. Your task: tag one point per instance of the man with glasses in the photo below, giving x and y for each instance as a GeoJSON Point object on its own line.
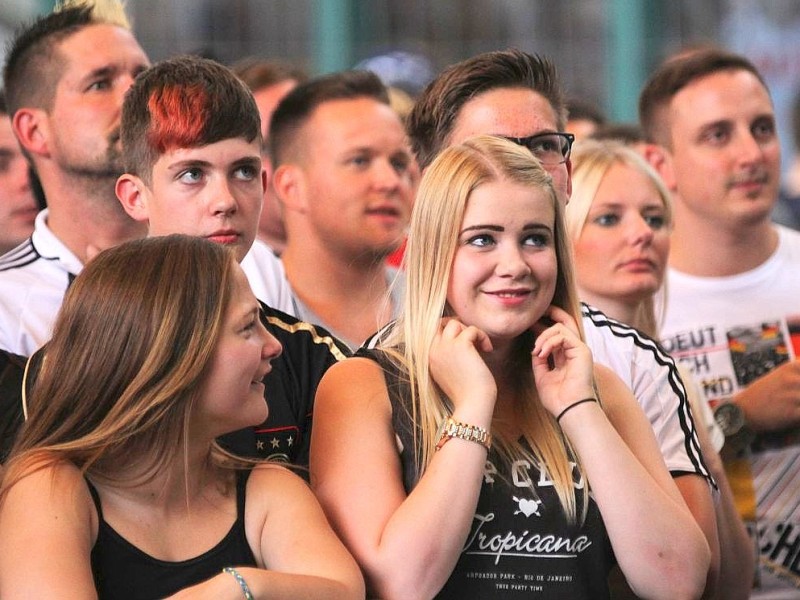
{"type": "Point", "coordinates": [516, 95]}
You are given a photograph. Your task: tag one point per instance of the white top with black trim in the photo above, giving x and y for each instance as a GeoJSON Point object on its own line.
{"type": "Point", "coordinates": [35, 275]}
{"type": "Point", "coordinates": [651, 374]}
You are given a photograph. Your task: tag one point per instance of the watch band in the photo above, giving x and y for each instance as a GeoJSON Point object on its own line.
{"type": "Point", "coordinates": [738, 436]}
{"type": "Point", "coordinates": [450, 428]}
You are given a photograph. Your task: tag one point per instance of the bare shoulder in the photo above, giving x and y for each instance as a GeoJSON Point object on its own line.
{"type": "Point", "coordinates": [53, 488]}
{"type": "Point", "coordinates": [267, 477]}
{"type": "Point", "coordinates": [48, 525]}
{"type": "Point", "coordinates": [352, 385]}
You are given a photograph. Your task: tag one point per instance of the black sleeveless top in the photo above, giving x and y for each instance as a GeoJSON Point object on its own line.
{"type": "Point", "coordinates": [520, 544]}
{"type": "Point", "coordinates": [123, 571]}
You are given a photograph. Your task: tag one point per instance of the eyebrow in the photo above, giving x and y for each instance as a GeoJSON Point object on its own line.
{"type": "Point", "coordinates": [254, 160]}
{"type": "Point", "coordinates": [104, 71]}
{"type": "Point", "coordinates": [498, 228]}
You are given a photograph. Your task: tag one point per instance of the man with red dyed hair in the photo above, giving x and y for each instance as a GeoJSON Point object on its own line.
{"type": "Point", "coordinates": [65, 77]}
{"type": "Point", "coordinates": [191, 142]}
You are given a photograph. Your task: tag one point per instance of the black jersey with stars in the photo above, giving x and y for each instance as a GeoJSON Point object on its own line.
{"type": "Point", "coordinates": [289, 390]}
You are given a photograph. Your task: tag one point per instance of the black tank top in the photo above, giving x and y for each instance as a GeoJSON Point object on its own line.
{"type": "Point", "coordinates": [520, 543]}
{"type": "Point", "coordinates": [123, 571]}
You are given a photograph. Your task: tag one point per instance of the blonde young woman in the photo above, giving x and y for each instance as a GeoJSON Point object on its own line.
{"type": "Point", "coordinates": [115, 487]}
{"type": "Point", "coordinates": [619, 219]}
{"type": "Point", "coordinates": [457, 458]}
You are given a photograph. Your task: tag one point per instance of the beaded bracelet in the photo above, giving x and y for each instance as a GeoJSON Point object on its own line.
{"type": "Point", "coordinates": [240, 580]}
{"type": "Point", "coordinates": [573, 405]}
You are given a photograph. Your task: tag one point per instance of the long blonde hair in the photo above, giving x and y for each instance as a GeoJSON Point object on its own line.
{"type": "Point", "coordinates": [129, 351]}
{"type": "Point", "coordinates": [591, 160]}
{"type": "Point", "coordinates": [436, 219]}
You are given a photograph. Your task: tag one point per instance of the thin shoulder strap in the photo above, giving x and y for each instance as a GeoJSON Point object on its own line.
{"type": "Point", "coordinates": [95, 498]}
{"type": "Point", "coordinates": [242, 476]}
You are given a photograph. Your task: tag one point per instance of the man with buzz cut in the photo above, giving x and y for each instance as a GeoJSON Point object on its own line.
{"type": "Point", "coordinates": [65, 76]}
{"type": "Point", "coordinates": [343, 174]}
{"type": "Point", "coordinates": [518, 96]}
{"type": "Point", "coordinates": [191, 144]}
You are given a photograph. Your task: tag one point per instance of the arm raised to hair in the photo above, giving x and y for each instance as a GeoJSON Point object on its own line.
{"type": "Point", "coordinates": [406, 544]}
{"type": "Point", "coordinates": [659, 547]}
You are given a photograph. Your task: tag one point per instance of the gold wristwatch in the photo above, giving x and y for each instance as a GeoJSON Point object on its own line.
{"type": "Point", "coordinates": [450, 428]}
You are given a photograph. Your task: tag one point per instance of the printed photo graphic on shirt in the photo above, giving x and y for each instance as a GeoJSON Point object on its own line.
{"type": "Point", "coordinates": [756, 350]}
{"type": "Point", "coordinates": [726, 359]}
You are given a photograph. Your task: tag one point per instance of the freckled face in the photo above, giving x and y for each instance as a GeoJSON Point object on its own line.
{"type": "Point", "coordinates": [504, 272]}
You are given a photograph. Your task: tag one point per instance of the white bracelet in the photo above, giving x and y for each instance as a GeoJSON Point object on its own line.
{"type": "Point", "coordinates": [240, 580]}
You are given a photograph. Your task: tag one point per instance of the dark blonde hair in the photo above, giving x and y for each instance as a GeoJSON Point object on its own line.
{"type": "Point", "coordinates": [129, 351]}
{"type": "Point", "coordinates": [436, 219]}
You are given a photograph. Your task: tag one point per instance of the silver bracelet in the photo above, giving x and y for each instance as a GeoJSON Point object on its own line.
{"type": "Point", "coordinates": [240, 580]}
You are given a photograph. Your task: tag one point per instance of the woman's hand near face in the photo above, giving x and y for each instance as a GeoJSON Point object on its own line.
{"type": "Point", "coordinates": [458, 368]}
{"type": "Point", "coordinates": [562, 363]}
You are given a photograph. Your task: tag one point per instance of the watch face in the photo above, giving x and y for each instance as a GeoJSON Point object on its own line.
{"type": "Point", "coordinates": [729, 417]}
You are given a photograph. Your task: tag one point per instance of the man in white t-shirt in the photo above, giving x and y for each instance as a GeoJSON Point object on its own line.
{"type": "Point", "coordinates": [732, 309]}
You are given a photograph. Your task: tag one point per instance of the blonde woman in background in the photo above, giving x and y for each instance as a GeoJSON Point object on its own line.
{"type": "Point", "coordinates": [619, 219]}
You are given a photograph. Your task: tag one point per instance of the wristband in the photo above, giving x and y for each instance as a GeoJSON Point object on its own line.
{"type": "Point", "coordinates": [573, 405]}
{"type": "Point", "coordinates": [240, 580]}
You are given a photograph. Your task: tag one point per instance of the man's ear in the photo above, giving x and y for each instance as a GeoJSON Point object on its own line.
{"type": "Point", "coordinates": [31, 128]}
{"type": "Point", "coordinates": [132, 194]}
{"type": "Point", "coordinates": [289, 183]}
{"type": "Point", "coordinates": [661, 160]}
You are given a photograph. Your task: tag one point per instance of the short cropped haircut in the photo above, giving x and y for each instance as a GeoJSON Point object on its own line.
{"type": "Point", "coordinates": [298, 106]}
{"type": "Point", "coordinates": [676, 73]}
{"type": "Point", "coordinates": [3, 105]}
{"type": "Point", "coordinates": [625, 133]}
{"type": "Point", "coordinates": [436, 110]}
{"type": "Point", "coordinates": [33, 64]}
{"type": "Point", "coordinates": [184, 102]}
{"type": "Point", "coordinates": [259, 73]}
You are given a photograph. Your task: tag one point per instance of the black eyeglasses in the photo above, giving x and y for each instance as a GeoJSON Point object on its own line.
{"type": "Point", "coordinates": [551, 149]}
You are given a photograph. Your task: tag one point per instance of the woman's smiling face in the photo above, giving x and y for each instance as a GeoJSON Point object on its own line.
{"type": "Point", "coordinates": [504, 271]}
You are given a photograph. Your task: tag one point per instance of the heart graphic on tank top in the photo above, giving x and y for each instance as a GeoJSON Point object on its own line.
{"type": "Point", "coordinates": [527, 506]}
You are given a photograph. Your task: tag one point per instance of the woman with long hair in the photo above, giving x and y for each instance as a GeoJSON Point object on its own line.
{"type": "Point", "coordinates": [115, 487]}
{"type": "Point", "coordinates": [476, 451]}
